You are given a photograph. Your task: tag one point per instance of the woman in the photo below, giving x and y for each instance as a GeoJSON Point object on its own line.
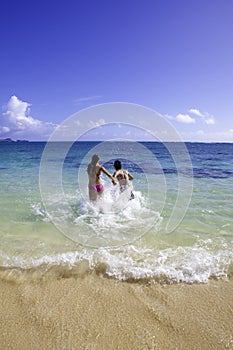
{"type": "Point", "coordinates": [94, 171]}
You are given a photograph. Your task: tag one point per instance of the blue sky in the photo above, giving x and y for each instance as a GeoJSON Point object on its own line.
{"type": "Point", "coordinates": [174, 56]}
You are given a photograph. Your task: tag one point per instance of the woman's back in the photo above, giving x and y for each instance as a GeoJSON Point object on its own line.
{"type": "Point", "coordinates": [94, 174]}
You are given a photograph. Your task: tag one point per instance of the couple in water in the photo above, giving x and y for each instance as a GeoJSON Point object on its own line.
{"type": "Point", "coordinates": [94, 171]}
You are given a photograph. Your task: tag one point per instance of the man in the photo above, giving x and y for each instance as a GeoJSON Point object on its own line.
{"type": "Point", "coordinates": [123, 176]}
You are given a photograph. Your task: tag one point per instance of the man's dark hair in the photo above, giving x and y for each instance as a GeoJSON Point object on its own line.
{"type": "Point", "coordinates": [117, 164]}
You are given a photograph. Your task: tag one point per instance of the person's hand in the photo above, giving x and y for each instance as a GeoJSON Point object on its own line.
{"type": "Point", "coordinates": [114, 182]}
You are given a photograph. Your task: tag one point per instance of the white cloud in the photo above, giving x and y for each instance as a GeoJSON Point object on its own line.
{"type": "Point", "coordinates": [81, 100]}
{"type": "Point", "coordinates": [168, 116]}
{"type": "Point", "coordinates": [96, 124]}
{"type": "Point", "coordinates": [4, 130]}
{"type": "Point", "coordinates": [16, 122]}
{"type": "Point", "coordinates": [196, 112]}
{"type": "Point", "coordinates": [210, 121]}
{"type": "Point", "coordinates": [205, 136]}
{"type": "Point", "coordinates": [185, 118]}
{"type": "Point", "coordinates": [206, 117]}
{"type": "Point", "coordinates": [18, 114]}
{"type": "Point", "coordinates": [196, 115]}
{"type": "Point", "coordinates": [200, 132]}
{"type": "Point", "coordinates": [77, 122]}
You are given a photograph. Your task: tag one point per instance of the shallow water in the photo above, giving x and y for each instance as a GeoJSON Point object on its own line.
{"type": "Point", "coordinates": [42, 226]}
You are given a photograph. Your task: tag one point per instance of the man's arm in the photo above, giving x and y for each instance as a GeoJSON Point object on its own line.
{"type": "Point", "coordinates": [130, 176]}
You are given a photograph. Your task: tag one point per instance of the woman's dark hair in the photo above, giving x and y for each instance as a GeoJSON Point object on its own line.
{"type": "Point", "coordinates": [117, 164]}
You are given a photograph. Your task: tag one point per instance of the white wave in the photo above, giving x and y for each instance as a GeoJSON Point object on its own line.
{"type": "Point", "coordinates": [181, 264]}
{"type": "Point", "coordinates": [39, 212]}
{"type": "Point", "coordinates": [113, 220]}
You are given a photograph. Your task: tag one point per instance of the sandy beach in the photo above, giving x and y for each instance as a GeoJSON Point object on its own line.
{"type": "Point", "coordinates": [95, 312]}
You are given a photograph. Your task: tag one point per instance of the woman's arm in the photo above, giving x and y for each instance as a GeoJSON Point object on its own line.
{"type": "Point", "coordinates": [108, 174]}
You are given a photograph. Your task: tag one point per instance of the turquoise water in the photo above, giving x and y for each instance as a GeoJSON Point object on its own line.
{"type": "Point", "coordinates": [48, 224]}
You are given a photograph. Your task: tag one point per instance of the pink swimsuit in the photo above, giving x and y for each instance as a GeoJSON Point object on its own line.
{"type": "Point", "coordinates": [96, 188]}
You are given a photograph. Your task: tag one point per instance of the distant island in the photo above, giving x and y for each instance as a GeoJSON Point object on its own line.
{"type": "Point", "coordinates": [8, 139]}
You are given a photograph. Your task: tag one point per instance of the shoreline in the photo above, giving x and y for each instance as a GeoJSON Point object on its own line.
{"type": "Point", "coordinates": [95, 312]}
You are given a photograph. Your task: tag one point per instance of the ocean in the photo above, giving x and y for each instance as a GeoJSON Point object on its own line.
{"type": "Point", "coordinates": [178, 227]}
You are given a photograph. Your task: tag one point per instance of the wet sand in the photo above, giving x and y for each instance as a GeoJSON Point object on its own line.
{"type": "Point", "coordinates": [95, 312]}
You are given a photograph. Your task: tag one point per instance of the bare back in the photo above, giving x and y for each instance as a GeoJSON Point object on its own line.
{"type": "Point", "coordinates": [122, 177]}
{"type": "Point", "coordinates": [94, 172]}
